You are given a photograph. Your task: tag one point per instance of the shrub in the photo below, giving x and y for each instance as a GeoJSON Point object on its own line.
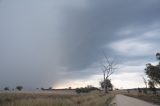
{"type": "Point", "coordinates": [86, 89]}
{"type": "Point", "coordinates": [19, 88]}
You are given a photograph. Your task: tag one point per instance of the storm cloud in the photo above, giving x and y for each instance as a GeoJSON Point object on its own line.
{"type": "Point", "coordinates": [44, 43]}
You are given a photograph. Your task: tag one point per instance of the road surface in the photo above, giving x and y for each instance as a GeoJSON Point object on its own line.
{"type": "Point", "coordinates": [121, 100]}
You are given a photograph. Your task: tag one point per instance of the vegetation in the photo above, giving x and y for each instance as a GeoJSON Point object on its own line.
{"type": "Point", "coordinates": [152, 87]}
{"type": "Point", "coordinates": [153, 73]}
{"type": "Point", "coordinates": [108, 69]}
{"type": "Point", "coordinates": [86, 89]}
{"type": "Point", "coordinates": [108, 85]}
{"type": "Point", "coordinates": [19, 88]}
{"type": "Point", "coordinates": [6, 88]}
{"type": "Point", "coordinates": [50, 99]}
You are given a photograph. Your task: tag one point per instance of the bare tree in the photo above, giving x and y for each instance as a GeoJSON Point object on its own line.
{"type": "Point", "coordinates": [145, 81]}
{"type": "Point", "coordinates": [108, 68]}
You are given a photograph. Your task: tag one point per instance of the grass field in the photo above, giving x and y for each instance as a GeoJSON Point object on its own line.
{"type": "Point", "coordinates": [51, 99]}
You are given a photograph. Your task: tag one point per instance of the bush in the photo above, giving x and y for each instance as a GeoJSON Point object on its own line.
{"type": "Point", "coordinates": [6, 88]}
{"type": "Point", "coordinates": [86, 89]}
{"type": "Point", "coordinates": [19, 88]}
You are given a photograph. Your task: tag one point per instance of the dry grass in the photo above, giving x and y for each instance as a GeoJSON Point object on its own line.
{"type": "Point", "coordinates": [50, 99]}
{"type": "Point", "coordinates": [147, 97]}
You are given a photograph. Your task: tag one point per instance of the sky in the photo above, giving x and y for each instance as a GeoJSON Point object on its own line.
{"type": "Point", "coordinates": [60, 43]}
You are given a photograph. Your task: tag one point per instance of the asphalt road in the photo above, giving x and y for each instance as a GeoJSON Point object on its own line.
{"type": "Point", "coordinates": [121, 100]}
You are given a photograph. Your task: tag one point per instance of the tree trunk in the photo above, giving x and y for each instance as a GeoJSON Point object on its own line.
{"type": "Point", "coordinates": [105, 91]}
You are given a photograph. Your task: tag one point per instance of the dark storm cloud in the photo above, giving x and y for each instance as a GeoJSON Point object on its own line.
{"type": "Point", "coordinates": [91, 28]}
{"type": "Point", "coordinates": [43, 41]}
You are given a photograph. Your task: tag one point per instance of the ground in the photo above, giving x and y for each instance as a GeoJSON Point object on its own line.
{"type": "Point", "coordinates": [49, 98]}
{"type": "Point", "coordinates": [121, 100]}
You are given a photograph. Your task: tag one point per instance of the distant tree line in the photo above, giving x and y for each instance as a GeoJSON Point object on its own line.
{"type": "Point", "coordinates": [19, 88]}
{"type": "Point", "coordinates": [86, 89]}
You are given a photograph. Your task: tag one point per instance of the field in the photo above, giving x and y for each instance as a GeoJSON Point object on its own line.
{"type": "Point", "coordinates": [53, 99]}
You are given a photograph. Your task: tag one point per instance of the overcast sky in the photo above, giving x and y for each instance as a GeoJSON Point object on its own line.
{"type": "Point", "coordinates": [60, 43]}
